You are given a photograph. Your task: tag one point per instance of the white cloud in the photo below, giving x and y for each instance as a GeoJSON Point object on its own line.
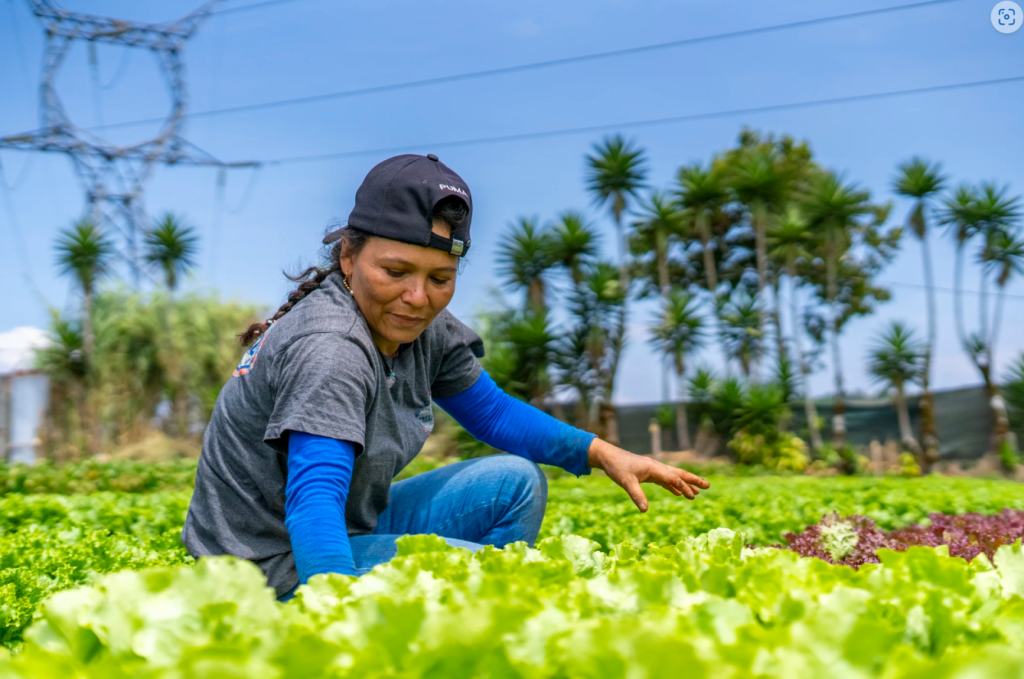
{"type": "Point", "coordinates": [17, 348]}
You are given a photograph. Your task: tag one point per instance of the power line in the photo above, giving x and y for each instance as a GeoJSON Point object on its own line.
{"type": "Point", "coordinates": [122, 66]}
{"type": "Point", "coordinates": [26, 167]}
{"type": "Point", "coordinates": [248, 192]}
{"type": "Point", "coordinates": [243, 8]}
{"type": "Point", "coordinates": [255, 5]}
{"type": "Point", "coordinates": [26, 260]}
{"type": "Point", "coordinates": [532, 66]}
{"type": "Point", "coordinates": [644, 123]}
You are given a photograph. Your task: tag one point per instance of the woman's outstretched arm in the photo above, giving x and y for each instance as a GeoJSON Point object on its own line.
{"type": "Point", "coordinates": [508, 424]}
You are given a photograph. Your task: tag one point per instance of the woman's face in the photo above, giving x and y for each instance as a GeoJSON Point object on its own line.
{"type": "Point", "coordinates": [400, 287]}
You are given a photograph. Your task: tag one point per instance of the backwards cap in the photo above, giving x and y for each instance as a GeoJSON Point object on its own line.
{"type": "Point", "coordinates": [397, 199]}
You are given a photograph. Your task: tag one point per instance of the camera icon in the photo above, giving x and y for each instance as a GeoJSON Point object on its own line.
{"type": "Point", "coordinates": [1007, 17]}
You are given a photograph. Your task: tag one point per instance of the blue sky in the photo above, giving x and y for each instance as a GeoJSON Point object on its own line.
{"type": "Point", "coordinates": [308, 47]}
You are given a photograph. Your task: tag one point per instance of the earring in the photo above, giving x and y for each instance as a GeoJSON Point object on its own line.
{"type": "Point", "coordinates": [344, 281]}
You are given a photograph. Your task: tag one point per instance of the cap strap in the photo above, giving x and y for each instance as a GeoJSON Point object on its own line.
{"type": "Point", "coordinates": [452, 246]}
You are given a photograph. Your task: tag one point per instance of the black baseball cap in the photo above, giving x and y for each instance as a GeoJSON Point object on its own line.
{"type": "Point", "coordinates": [398, 196]}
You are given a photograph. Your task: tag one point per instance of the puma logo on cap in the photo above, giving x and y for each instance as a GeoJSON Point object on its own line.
{"type": "Point", "coordinates": [456, 189]}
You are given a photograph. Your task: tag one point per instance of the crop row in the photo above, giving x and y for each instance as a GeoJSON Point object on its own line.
{"type": "Point", "coordinates": [856, 540]}
{"type": "Point", "coordinates": [52, 542]}
{"type": "Point", "coordinates": [91, 476]}
{"type": "Point", "coordinates": [764, 509]}
{"type": "Point", "coordinates": [128, 476]}
{"type": "Point", "coordinates": [706, 607]}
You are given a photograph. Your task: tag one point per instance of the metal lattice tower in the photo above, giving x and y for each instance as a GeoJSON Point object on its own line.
{"type": "Point", "coordinates": [113, 176]}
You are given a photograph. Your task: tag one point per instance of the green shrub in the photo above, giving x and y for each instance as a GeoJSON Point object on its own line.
{"type": "Point", "coordinates": [149, 347]}
{"type": "Point", "coordinates": [845, 459]}
{"type": "Point", "coordinates": [730, 405]}
{"type": "Point", "coordinates": [781, 452]}
{"type": "Point", "coordinates": [666, 416]}
{"type": "Point", "coordinates": [1012, 389]}
{"type": "Point", "coordinates": [1009, 456]}
{"type": "Point", "coordinates": [908, 466]}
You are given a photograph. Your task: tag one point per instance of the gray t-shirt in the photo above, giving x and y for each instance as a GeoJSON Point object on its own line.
{"type": "Point", "coordinates": [317, 370]}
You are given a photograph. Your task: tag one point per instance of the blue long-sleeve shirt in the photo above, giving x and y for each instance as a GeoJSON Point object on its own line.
{"type": "Point", "coordinates": [319, 473]}
{"type": "Point", "coordinates": [508, 424]}
{"type": "Point", "coordinates": [320, 469]}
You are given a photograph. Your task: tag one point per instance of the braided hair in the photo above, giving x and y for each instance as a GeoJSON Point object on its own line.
{"type": "Point", "coordinates": [451, 210]}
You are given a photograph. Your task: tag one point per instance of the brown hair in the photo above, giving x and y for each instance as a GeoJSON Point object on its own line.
{"type": "Point", "coordinates": [451, 210]}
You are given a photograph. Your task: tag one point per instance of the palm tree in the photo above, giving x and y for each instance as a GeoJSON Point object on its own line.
{"type": "Point", "coordinates": [701, 194]}
{"type": "Point", "coordinates": [989, 212]}
{"type": "Point", "coordinates": [657, 222]}
{"type": "Point", "coordinates": [519, 345]}
{"type": "Point", "coordinates": [1002, 257]}
{"type": "Point", "coordinates": [575, 370]}
{"type": "Point", "coordinates": [616, 171]}
{"type": "Point", "coordinates": [677, 334]}
{"type": "Point", "coordinates": [63, 361]}
{"type": "Point", "coordinates": [832, 208]}
{"type": "Point", "coordinates": [897, 358]}
{"type": "Point", "coordinates": [742, 331]}
{"type": "Point", "coordinates": [589, 352]}
{"type": "Point", "coordinates": [998, 216]}
{"type": "Point", "coordinates": [962, 219]}
{"type": "Point", "coordinates": [1013, 391]}
{"type": "Point", "coordinates": [84, 253]}
{"type": "Point", "coordinates": [574, 244]}
{"type": "Point", "coordinates": [701, 392]}
{"type": "Point", "coordinates": [758, 182]}
{"type": "Point", "coordinates": [921, 181]}
{"type": "Point", "coordinates": [789, 240]}
{"type": "Point", "coordinates": [785, 378]}
{"type": "Point", "coordinates": [574, 248]}
{"type": "Point", "coordinates": [524, 255]}
{"type": "Point", "coordinates": [172, 247]}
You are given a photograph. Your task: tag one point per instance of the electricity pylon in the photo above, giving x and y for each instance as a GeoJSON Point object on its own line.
{"type": "Point", "coordinates": [113, 176]}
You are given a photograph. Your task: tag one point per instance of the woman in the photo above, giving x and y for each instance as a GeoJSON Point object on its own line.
{"type": "Point", "coordinates": [334, 397]}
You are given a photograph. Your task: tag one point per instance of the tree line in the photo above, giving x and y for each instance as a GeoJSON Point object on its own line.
{"type": "Point", "coordinates": [762, 252]}
{"type": "Point", "coordinates": [121, 354]}
{"type": "Point", "coordinates": [731, 247]}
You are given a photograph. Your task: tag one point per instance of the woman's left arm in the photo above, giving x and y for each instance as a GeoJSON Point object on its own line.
{"type": "Point", "coordinates": [508, 424]}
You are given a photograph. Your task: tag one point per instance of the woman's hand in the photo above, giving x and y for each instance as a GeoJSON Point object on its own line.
{"type": "Point", "coordinates": [630, 470]}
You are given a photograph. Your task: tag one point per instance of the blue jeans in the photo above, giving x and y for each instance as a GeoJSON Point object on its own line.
{"type": "Point", "coordinates": [494, 500]}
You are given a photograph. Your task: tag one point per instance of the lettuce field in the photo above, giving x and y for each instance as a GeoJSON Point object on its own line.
{"type": "Point", "coordinates": [759, 577]}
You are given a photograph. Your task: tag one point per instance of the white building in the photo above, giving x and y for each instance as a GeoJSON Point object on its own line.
{"type": "Point", "coordinates": [24, 394]}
